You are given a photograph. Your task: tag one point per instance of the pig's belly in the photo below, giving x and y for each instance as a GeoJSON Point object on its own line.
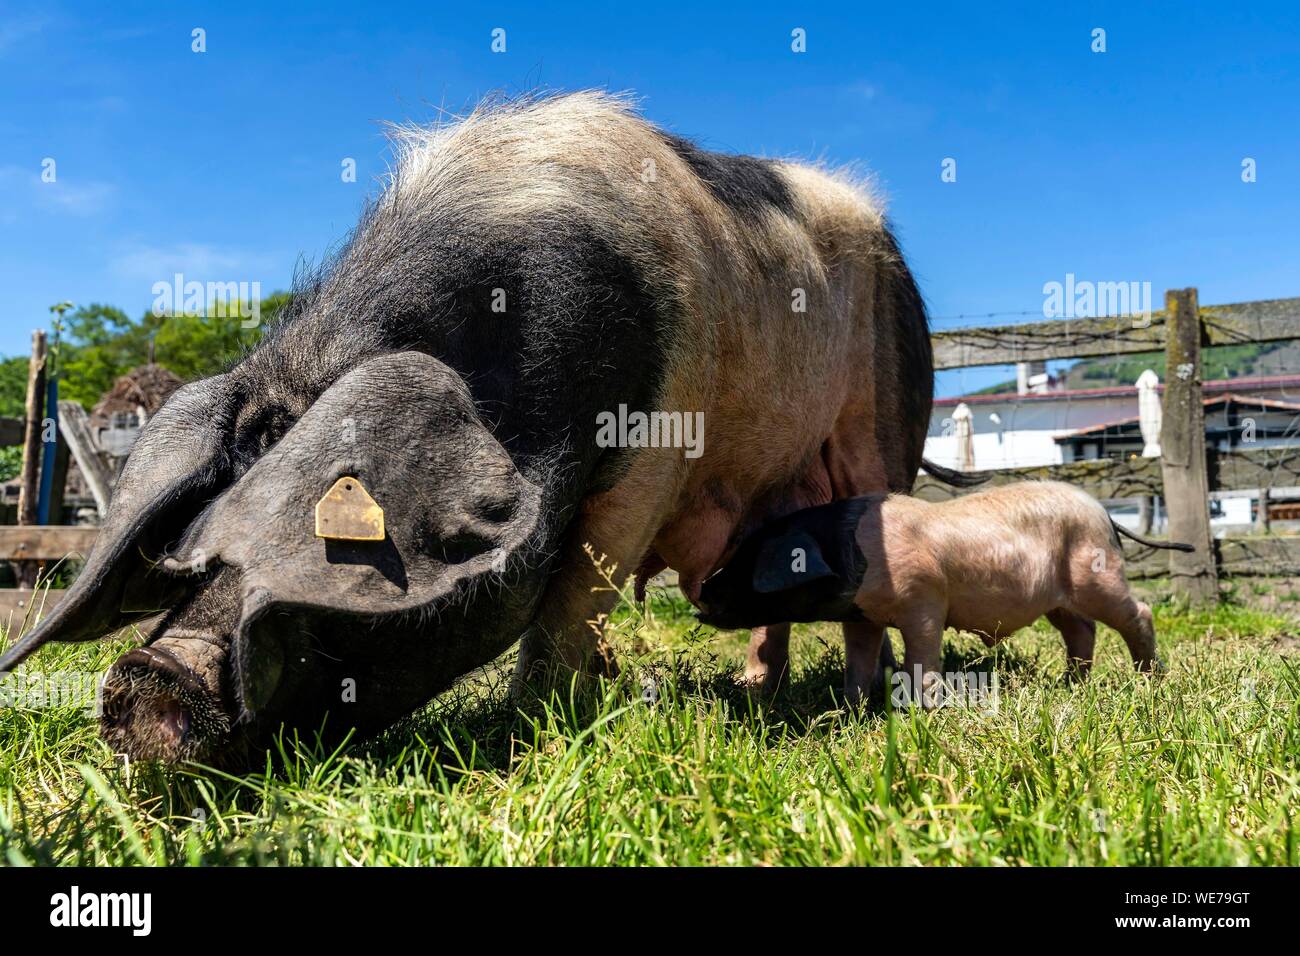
{"type": "Point", "coordinates": [995, 626]}
{"type": "Point", "coordinates": [995, 613]}
{"type": "Point", "coordinates": [811, 443]}
{"type": "Point", "coordinates": [699, 539]}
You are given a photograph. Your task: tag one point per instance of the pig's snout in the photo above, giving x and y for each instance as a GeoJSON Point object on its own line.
{"type": "Point", "coordinates": [715, 609]}
{"type": "Point", "coordinates": [716, 614]}
{"type": "Point", "coordinates": [164, 701]}
{"type": "Point", "coordinates": [713, 619]}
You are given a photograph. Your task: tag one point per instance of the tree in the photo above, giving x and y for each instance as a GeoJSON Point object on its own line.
{"type": "Point", "coordinates": [101, 343]}
{"type": "Point", "coordinates": [13, 386]}
{"type": "Point", "coordinates": [13, 396]}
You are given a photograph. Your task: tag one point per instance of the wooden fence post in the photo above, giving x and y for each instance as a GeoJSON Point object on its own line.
{"type": "Point", "coordinates": [1146, 513]}
{"type": "Point", "coordinates": [28, 491]}
{"type": "Point", "coordinates": [1261, 516]}
{"type": "Point", "coordinates": [31, 466]}
{"type": "Point", "coordinates": [1183, 461]}
{"type": "Point", "coordinates": [62, 458]}
{"type": "Point", "coordinates": [75, 427]}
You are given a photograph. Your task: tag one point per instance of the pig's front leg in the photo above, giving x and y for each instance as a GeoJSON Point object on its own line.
{"type": "Point", "coordinates": [567, 637]}
{"type": "Point", "coordinates": [1106, 598]}
{"type": "Point", "coordinates": [1133, 621]}
{"type": "Point", "coordinates": [768, 659]}
{"type": "Point", "coordinates": [864, 663]}
{"type": "Point", "coordinates": [923, 657]}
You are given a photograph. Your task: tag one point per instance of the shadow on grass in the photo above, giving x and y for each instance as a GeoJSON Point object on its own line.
{"type": "Point", "coordinates": [478, 726]}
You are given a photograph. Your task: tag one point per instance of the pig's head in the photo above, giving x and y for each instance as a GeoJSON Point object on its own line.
{"type": "Point", "coordinates": [264, 622]}
{"type": "Point", "coordinates": [802, 567]}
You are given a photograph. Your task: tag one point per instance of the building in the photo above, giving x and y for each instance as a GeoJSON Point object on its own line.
{"type": "Point", "coordinates": [121, 412]}
{"type": "Point", "coordinates": [1232, 421]}
{"type": "Point", "coordinates": [108, 434]}
{"type": "Point", "coordinates": [1011, 430]}
{"type": "Point", "coordinates": [1044, 426]}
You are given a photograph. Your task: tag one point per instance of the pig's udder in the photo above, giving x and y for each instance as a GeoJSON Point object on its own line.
{"type": "Point", "coordinates": [695, 545]}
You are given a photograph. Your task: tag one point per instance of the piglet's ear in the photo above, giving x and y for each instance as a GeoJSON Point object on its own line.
{"type": "Point", "coordinates": [789, 561]}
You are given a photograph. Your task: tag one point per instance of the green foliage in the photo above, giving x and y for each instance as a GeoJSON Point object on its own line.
{"type": "Point", "coordinates": [100, 343]}
{"type": "Point", "coordinates": [1219, 361]}
{"type": "Point", "coordinates": [13, 386]}
{"type": "Point", "coordinates": [195, 347]}
{"type": "Point", "coordinates": [11, 461]}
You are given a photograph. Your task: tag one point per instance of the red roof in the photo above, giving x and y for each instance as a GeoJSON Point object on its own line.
{"type": "Point", "coordinates": [1124, 391]}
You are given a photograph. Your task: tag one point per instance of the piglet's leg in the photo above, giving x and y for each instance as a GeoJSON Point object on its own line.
{"type": "Point", "coordinates": [768, 658]}
{"type": "Point", "coordinates": [863, 661]}
{"type": "Point", "coordinates": [1108, 600]}
{"type": "Point", "coordinates": [923, 658]}
{"type": "Point", "coordinates": [1080, 636]}
{"type": "Point", "coordinates": [1133, 621]}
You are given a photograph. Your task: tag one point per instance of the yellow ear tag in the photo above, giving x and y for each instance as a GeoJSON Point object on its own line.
{"type": "Point", "coordinates": [348, 513]}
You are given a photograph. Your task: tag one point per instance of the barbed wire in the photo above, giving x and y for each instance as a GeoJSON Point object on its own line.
{"type": "Point", "coordinates": [984, 315]}
{"type": "Point", "coordinates": [1028, 338]}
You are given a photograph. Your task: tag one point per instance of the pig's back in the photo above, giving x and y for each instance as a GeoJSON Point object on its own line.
{"type": "Point", "coordinates": [772, 298]}
{"type": "Point", "coordinates": [1006, 552]}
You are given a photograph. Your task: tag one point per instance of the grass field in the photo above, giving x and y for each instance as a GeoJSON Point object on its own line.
{"type": "Point", "coordinates": [672, 764]}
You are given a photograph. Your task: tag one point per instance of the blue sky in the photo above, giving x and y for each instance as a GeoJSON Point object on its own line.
{"type": "Point", "coordinates": [225, 165]}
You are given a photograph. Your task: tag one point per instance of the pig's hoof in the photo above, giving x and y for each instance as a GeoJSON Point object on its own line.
{"type": "Point", "coordinates": [761, 688]}
{"type": "Point", "coordinates": [1075, 674]}
{"type": "Point", "coordinates": [1153, 668]}
{"type": "Point", "coordinates": [155, 708]}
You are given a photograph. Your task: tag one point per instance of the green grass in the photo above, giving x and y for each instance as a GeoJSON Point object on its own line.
{"type": "Point", "coordinates": [671, 764]}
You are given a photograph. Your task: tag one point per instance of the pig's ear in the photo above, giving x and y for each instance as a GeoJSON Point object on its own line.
{"type": "Point", "coordinates": [382, 503]}
{"type": "Point", "coordinates": [176, 465]}
{"type": "Point", "coordinates": [788, 561]}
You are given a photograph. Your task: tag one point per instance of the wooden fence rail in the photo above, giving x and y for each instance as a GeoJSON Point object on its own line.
{"type": "Point", "coordinates": [16, 604]}
{"type": "Point", "coordinates": [1268, 320]}
{"type": "Point", "coordinates": [38, 543]}
{"type": "Point", "coordinates": [44, 542]}
{"type": "Point", "coordinates": [1234, 555]}
{"type": "Point", "coordinates": [1105, 478]}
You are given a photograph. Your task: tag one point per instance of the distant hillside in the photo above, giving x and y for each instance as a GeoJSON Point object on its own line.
{"type": "Point", "coordinates": [1221, 361]}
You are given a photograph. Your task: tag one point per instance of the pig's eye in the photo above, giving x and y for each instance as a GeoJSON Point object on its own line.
{"type": "Point", "coordinates": [460, 547]}
{"type": "Point", "coordinates": [451, 544]}
{"type": "Point", "coordinates": [258, 434]}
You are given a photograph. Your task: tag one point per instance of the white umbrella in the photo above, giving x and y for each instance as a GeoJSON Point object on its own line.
{"type": "Point", "coordinates": [963, 431]}
{"type": "Point", "coordinates": [1149, 413]}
